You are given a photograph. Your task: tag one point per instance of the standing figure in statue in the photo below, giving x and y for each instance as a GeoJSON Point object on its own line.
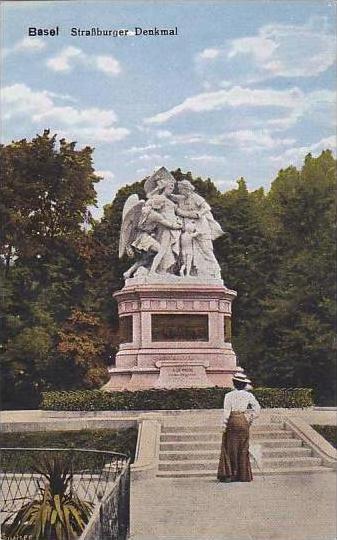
{"type": "Point", "coordinates": [188, 235]}
{"type": "Point", "coordinates": [193, 206]}
{"type": "Point", "coordinates": [167, 237]}
{"type": "Point", "coordinates": [234, 463]}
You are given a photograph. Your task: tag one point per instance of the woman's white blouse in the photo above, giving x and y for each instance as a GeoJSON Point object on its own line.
{"type": "Point", "coordinates": [238, 400]}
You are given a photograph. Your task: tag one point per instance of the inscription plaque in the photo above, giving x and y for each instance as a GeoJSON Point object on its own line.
{"type": "Point", "coordinates": [179, 327]}
{"type": "Point", "coordinates": [126, 329]}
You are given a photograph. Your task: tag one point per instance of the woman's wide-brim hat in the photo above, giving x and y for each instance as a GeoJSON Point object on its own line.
{"type": "Point", "coordinates": [240, 377]}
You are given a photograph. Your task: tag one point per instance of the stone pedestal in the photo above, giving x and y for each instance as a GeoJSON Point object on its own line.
{"type": "Point", "coordinates": [174, 334]}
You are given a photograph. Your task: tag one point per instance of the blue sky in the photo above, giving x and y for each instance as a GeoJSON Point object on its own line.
{"type": "Point", "coordinates": [244, 89]}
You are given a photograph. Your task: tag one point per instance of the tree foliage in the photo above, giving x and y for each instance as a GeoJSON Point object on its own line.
{"type": "Point", "coordinates": [60, 322]}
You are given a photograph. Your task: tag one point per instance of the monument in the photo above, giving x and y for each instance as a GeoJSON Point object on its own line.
{"type": "Point", "coordinates": [174, 310]}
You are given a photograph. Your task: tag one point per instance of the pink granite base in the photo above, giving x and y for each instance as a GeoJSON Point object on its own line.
{"type": "Point", "coordinates": [142, 363]}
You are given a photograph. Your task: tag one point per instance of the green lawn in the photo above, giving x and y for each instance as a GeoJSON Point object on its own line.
{"type": "Point", "coordinates": [123, 441]}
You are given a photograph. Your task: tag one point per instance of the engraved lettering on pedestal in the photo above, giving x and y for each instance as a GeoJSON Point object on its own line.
{"type": "Point", "coordinates": [182, 372]}
{"type": "Point", "coordinates": [182, 327]}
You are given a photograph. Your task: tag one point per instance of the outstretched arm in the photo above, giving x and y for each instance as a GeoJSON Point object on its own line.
{"type": "Point", "coordinates": [158, 218]}
{"type": "Point", "coordinates": [187, 213]}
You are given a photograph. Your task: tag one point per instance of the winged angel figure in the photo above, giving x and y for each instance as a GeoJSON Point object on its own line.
{"type": "Point", "coordinates": [150, 229]}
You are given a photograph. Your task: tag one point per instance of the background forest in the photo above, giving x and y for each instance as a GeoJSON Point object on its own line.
{"type": "Point", "coordinates": [59, 268]}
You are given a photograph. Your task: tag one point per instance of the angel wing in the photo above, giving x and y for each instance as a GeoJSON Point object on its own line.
{"type": "Point", "coordinates": [130, 218]}
{"type": "Point", "coordinates": [149, 185]}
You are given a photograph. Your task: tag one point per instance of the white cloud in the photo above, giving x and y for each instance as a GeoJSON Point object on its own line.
{"type": "Point", "coordinates": [291, 50]}
{"type": "Point", "coordinates": [93, 134]}
{"type": "Point", "coordinates": [151, 157]}
{"type": "Point", "coordinates": [234, 97]}
{"type": "Point", "coordinates": [27, 44]}
{"type": "Point", "coordinates": [318, 106]}
{"type": "Point", "coordinates": [64, 60]}
{"type": "Point", "coordinates": [107, 175]}
{"type": "Point", "coordinates": [207, 158]}
{"type": "Point", "coordinates": [225, 184]}
{"type": "Point", "coordinates": [208, 54]}
{"type": "Point", "coordinates": [183, 138]}
{"type": "Point", "coordinates": [107, 64]}
{"type": "Point", "coordinates": [296, 154]}
{"type": "Point", "coordinates": [163, 134]}
{"type": "Point", "coordinates": [137, 149]}
{"type": "Point", "coordinates": [276, 50]}
{"type": "Point", "coordinates": [89, 125]}
{"type": "Point", "coordinates": [70, 116]}
{"type": "Point", "coordinates": [69, 57]}
{"type": "Point", "coordinates": [251, 140]}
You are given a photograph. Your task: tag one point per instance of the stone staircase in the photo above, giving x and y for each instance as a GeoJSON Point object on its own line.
{"type": "Point", "coordinates": [193, 451]}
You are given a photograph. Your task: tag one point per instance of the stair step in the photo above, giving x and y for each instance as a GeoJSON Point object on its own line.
{"type": "Point", "coordinates": [191, 437]}
{"type": "Point", "coordinates": [277, 463]}
{"type": "Point", "coordinates": [286, 452]}
{"type": "Point", "coordinates": [274, 434]}
{"type": "Point", "coordinates": [217, 428]}
{"type": "Point", "coordinates": [216, 436]}
{"type": "Point", "coordinates": [256, 472]}
{"type": "Point", "coordinates": [189, 429]}
{"type": "Point", "coordinates": [279, 444]}
{"type": "Point", "coordinates": [187, 455]}
{"type": "Point", "coordinates": [190, 446]}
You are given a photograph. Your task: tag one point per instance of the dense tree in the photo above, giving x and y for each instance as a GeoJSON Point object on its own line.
{"type": "Point", "coordinates": [298, 320]}
{"type": "Point", "coordinates": [45, 192]}
{"type": "Point", "coordinates": [60, 270]}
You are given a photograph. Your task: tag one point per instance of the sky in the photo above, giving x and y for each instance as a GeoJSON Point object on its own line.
{"type": "Point", "coordinates": [245, 88]}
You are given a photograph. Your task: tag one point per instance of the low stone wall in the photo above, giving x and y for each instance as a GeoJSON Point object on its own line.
{"type": "Point", "coordinates": [21, 421]}
{"type": "Point", "coordinates": [111, 517]}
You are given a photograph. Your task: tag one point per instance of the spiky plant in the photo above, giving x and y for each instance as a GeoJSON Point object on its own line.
{"type": "Point", "coordinates": [57, 513]}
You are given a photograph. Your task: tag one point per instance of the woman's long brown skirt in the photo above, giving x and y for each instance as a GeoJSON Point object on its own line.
{"type": "Point", "coordinates": [234, 464]}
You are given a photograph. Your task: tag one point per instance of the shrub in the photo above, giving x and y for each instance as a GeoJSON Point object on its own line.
{"type": "Point", "coordinates": [328, 432]}
{"type": "Point", "coordinates": [182, 398]}
{"type": "Point", "coordinates": [56, 511]}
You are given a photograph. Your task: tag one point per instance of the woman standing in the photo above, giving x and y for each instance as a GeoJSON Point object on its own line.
{"type": "Point", "coordinates": [234, 464]}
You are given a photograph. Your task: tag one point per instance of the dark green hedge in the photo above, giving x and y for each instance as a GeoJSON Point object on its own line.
{"type": "Point", "coordinates": [185, 398]}
{"type": "Point", "coordinates": [328, 432]}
